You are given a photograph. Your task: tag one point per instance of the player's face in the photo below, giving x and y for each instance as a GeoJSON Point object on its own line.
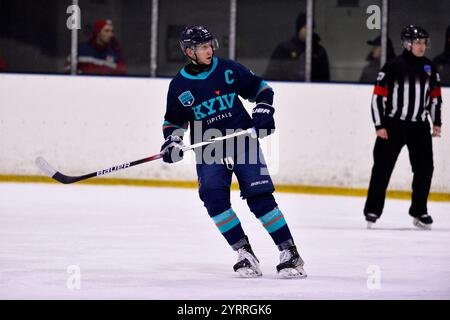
{"type": "Point", "coordinates": [204, 53]}
{"type": "Point", "coordinates": [418, 47]}
{"type": "Point", "coordinates": [106, 34]}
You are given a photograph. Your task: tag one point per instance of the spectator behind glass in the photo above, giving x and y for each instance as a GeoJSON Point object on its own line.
{"type": "Point", "coordinates": [442, 61]}
{"type": "Point", "coordinates": [371, 70]}
{"type": "Point", "coordinates": [288, 59]}
{"type": "Point", "coordinates": [101, 54]}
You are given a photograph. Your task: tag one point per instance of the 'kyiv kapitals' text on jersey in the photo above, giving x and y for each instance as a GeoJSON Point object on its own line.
{"type": "Point", "coordinates": [210, 99]}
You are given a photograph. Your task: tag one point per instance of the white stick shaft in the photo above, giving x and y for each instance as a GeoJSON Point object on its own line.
{"type": "Point", "coordinates": [250, 131]}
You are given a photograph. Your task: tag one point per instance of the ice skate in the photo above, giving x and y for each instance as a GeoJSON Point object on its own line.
{"type": "Point", "coordinates": [247, 265]}
{"type": "Point", "coordinates": [423, 222]}
{"type": "Point", "coordinates": [371, 218]}
{"type": "Point", "coordinates": [291, 264]}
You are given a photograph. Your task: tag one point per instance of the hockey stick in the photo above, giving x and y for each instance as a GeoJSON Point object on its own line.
{"type": "Point", "coordinates": [60, 177]}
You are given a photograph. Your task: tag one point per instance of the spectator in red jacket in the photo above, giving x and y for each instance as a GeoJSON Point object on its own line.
{"type": "Point", "coordinates": [102, 53]}
{"type": "Point", "coordinates": [2, 64]}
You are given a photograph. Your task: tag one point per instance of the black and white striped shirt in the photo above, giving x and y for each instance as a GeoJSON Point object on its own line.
{"type": "Point", "coordinates": [407, 88]}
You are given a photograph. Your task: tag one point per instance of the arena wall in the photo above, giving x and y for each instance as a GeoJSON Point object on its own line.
{"type": "Point", "coordinates": [80, 124]}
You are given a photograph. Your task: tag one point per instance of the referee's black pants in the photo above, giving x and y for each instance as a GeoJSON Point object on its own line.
{"type": "Point", "coordinates": [417, 137]}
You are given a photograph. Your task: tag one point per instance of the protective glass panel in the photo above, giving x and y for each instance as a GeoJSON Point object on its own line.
{"type": "Point", "coordinates": [433, 16]}
{"type": "Point", "coordinates": [175, 15]}
{"type": "Point", "coordinates": [349, 31]}
{"type": "Point", "coordinates": [267, 39]}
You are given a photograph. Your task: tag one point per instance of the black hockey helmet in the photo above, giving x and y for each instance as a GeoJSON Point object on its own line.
{"type": "Point", "coordinates": [412, 32]}
{"type": "Point", "coordinates": [195, 35]}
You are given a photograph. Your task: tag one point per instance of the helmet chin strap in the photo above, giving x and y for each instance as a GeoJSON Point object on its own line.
{"type": "Point", "coordinates": [407, 45]}
{"type": "Point", "coordinates": [196, 58]}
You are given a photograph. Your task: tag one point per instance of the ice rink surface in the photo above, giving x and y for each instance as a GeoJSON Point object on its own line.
{"type": "Point", "coordinates": [159, 243]}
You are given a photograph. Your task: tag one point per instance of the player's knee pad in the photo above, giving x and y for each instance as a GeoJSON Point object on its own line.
{"type": "Point", "coordinates": [261, 204]}
{"type": "Point", "coordinates": [216, 201]}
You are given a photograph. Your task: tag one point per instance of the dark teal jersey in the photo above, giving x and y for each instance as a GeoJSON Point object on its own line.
{"type": "Point", "coordinates": [210, 100]}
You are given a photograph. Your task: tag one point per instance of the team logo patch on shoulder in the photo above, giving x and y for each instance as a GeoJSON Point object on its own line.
{"type": "Point", "coordinates": [427, 69]}
{"type": "Point", "coordinates": [186, 98]}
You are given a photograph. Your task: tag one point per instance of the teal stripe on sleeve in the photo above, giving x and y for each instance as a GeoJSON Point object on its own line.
{"type": "Point", "coordinates": [167, 123]}
{"type": "Point", "coordinates": [262, 85]}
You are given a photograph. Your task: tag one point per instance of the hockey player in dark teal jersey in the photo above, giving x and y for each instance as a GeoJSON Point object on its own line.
{"type": "Point", "coordinates": [205, 96]}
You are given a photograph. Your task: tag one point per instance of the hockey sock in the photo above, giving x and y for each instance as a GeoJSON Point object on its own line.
{"type": "Point", "coordinates": [266, 210]}
{"type": "Point", "coordinates": [229, 225]}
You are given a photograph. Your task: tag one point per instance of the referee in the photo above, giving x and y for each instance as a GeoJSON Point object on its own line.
{"type": "Point", "coordinates": [407, 92]}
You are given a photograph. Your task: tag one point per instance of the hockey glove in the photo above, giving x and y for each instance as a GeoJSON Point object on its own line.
{"type": "Point", "coordinates": [263, 120]}
{"type": "Point", "coordinates": [172, 149]}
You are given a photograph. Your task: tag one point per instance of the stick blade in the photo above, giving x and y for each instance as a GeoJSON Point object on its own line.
{"type": "Point", "coordinates": [45, 167]}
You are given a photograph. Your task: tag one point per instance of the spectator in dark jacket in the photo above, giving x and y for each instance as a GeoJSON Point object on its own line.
{"type": "Point", "coordinates": [442, 61]}
{"type": "Point", "coordinates": [102, 53]}
{"type": "Point", "coordinates": [370, 71]}
{"type": "Point", "coordinates": [288, 59]}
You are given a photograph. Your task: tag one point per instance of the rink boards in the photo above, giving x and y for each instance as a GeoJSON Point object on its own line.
{"type": "Point", "coordinates": [324, 136]}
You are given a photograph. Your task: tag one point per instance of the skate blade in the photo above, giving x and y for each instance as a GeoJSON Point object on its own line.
{"type": "Point", "coordinates": [292, 273]}
{"type": "Point", "coordinates": [370, 225]}
{"type": "Point", "coordinates": [421, 225]}
{"type": "Point", "coordinates": [249, 273]}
